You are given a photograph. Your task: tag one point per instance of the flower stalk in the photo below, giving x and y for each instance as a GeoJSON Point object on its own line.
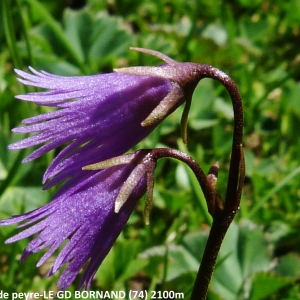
{"type": "Point", "coordinates": [223, 213]}
{"type": "Point", "coordinates": [184, 83]}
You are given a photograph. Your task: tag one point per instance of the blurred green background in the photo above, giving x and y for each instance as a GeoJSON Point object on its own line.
{"type": "Point", "coordinates": [257, 43]}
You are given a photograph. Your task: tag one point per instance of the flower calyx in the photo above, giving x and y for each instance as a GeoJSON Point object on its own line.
{"type": "Point", "coordinates": [184, 78]}
{"type": "Point", "coordinates": [143, 166]}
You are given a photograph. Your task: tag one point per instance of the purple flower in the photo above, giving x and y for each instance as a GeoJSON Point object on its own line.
{"type": "Point", "coordinates": [83, 212]}
{"type": "Point", "coordinates": [98, 118]}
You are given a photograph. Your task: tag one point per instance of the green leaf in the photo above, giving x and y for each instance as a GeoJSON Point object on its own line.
{"type": "Point", "coordinates": [294, 100]}
{"type": "Point", "coordinates": [3, 171]}
{"type": "Point", "coordinates": [17, 200]}
{"type": "Point", "coordinates": [120, 264]}
{"type": "Point", "coordinates": [228, 280]}
{"type": "Point", "coordinates": [106, 274]}
{"type": "Point", "coordinates": [132, 268]}
{"type": "Point", "coordinates": [78, 29]}
{"type": "Point", "coordinates": [212, 296]}
{"type": "Point", "coordinates": [179, 260]}
{"type": "Point", "coordinates": [195, 243]}
{"type": "Point", "coordinates": [253, 249]}
{"type": "Point", "coordinates": [244, 252]}
{"type": "Point", "coordinates": [87, 41]}
{"type": "Point", "coordinates": [266, 284]}
{"type": "Point", "coordinates": [223, 108]}
{"type": "Point", "coordinates": [217, 33]}
{"type": "Point", "coordinates": [108, 39]}
{"type": "Point", "coordinates": [56, 29]}
{"type": "Point", "coordinates": [202, 114]}
{"type": "Point", "coordinates": [289, 265]}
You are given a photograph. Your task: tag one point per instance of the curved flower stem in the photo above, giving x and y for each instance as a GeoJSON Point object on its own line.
{"type": "Point", "coordinates": [222, 214]}
{"type": "Point", "coordinates": [173, 153]}
{"type": "Point", "coordinates": [231, 201]}
{"type": "Point", "coordinates": [222, 218]}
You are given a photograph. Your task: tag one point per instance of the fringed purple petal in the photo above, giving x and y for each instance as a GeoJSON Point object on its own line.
{"type": "Point", "coordinates": [84, 215]}
{"type": "Point", "coordinates": [99, 117]}
{"type": "Point", "coordinates": [43, 117]}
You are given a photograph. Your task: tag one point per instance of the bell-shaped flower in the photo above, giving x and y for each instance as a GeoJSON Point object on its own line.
{"type": "Point", "coordinates": [89, 212]}
{"type": "Point", "coordinates": [99, 117]}
{"type": "Point", "coordinates": [102, 116]}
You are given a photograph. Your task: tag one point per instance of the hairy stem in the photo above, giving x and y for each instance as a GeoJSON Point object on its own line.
{"type": "Point", "coordinates": [222, 218]}
{"type": "Point", "coordinates": [231, 201]}
{"type": "Point", "coordinates": [173, 153]}
{"type": "Point", "coordinates": [209, 258]}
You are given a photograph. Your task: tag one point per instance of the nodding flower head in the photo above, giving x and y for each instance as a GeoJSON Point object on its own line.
{"type": "Point", "coordinates": [101, 116]}
{"type": "Point", "coordinates": [97, 119]}
{"type": "Point", "coordinates": [89, 212]}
